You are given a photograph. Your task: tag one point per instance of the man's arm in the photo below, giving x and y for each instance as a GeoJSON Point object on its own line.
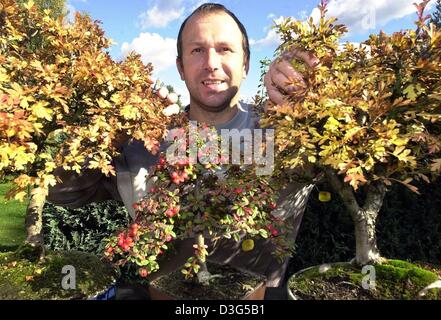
{"type": "Point", "coordinates": [76, 190]}
{"type": "Point", "coordinates": [281, 71]}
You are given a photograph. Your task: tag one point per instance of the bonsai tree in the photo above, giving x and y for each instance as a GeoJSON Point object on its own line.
{"type": "Point", "coordinates": [65, 103]}
{"type": "Point", "coordinates": [367, 115]}
{"type": "Point", "coordinates": [206, 200]}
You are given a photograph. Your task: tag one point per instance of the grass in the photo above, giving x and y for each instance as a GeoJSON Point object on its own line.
{"type": "Point", "coordinates": [12, 217]}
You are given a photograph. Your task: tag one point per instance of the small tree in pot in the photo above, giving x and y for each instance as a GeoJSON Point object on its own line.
{"type": "Point", "coordinates": [368, 115]}
{"type": "Point", "coordinates": [64, 103]}
{"type": "Point", "coordinates": [206, 200]}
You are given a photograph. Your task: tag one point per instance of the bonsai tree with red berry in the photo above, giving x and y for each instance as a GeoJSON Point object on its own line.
{"type": "Point", "coordinates": [201, 200]}
{"type": "Point", "coordinates": [367, 115]}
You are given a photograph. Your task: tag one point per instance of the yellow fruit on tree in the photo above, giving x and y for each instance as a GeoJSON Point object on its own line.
{"type": "Point", "coordinates": [324, 196]}
{"type": "Point", "coordinates": [248, 245]}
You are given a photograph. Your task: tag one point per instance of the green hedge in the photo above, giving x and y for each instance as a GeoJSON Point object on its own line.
{"type": "Point", "coordinates": [82, 229]}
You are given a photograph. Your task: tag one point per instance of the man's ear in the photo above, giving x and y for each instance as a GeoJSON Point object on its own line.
{"type": "Point", "coordinates": [180, 68]}
{"type": "Point", "coordinates": [246, 68]}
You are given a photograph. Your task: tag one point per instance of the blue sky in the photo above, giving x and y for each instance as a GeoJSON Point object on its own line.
{"type": "Point", "coordinates": [150, 27]}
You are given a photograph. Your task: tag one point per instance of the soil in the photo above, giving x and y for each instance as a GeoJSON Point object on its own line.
{"type": "Point", "coordinates": [395, 279]}
{"type": "Point", "coordinates": [23, 278]}
{"type": "Point", "coordinates": [233, 284]}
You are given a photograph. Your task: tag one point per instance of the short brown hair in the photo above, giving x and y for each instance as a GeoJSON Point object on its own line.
{"type": "Point", "coordinates": [207, 8]}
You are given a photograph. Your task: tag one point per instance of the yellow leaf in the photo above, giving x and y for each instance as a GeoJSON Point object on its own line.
{"type": "Point", "coordinates": [20, 196]}
{"type": "Point", "coordinates": [129, 112]}
{"type": "Point", "coordinates": [41, 112]}
{"type": "Point", "coordinates": [332, 124]}
{"type": "Point", "coordinates": [410, 93]}
{"type": "Point", "coordinates": [4, 77]}
{"type": "Point", "coordinates": [436, 165]}
{"type": "Point", "coordinates": [400, 141]}
{"type": "Point", "coordinates": [104, 104]}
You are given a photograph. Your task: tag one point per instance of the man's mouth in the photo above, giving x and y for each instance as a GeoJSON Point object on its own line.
{"type": "Point", "coordinates": [216, 85]}
{"type": "Point", "coordinates": [210, 82]}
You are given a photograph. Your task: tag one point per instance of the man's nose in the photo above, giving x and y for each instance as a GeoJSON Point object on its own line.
{"type": "Point", "coordinates": [213, 60]}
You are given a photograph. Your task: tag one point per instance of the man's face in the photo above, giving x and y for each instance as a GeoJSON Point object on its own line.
{"type": "Point", "coordinates": [213, 61]}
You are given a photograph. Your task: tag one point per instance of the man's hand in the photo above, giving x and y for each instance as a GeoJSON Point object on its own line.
{"type": "Point", "coordinates": [281, 73]}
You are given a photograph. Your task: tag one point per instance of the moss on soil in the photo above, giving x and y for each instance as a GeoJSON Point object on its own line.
{"type": "Point", "coordinates": [21, 278]}
{"type": "Point", "coordinates": [395, 279]}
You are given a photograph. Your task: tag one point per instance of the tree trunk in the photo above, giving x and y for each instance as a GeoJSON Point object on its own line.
{"type": "Point", "coordinates": [34, 222]}
{"type": "Point", "coordinates": [366, 250]}
{"type": "Point", "coordinates": [364, 217]}
{"type": "Point", "coordinates": [203, 274]}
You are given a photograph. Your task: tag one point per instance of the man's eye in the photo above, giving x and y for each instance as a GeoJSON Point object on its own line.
{"type": "Point", "coordinates": [196, 50]}
{"type": "Point", "coordinates": [226, 49]}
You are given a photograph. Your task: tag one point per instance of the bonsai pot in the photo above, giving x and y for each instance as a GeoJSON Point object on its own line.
{"type": "Point", "coordinates": [228, 284]}
{"type": "Point", "coordinates": [24, 279]}
{"type": "Point", "coordinates": [393, 279]}
{"type": "Point", "coordinates": [321, 269]}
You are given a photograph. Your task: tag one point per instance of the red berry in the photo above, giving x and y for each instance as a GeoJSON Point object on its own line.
{"type": "Point", "coordinates": [135, 206]}
{"type": "Point", "coordinates": [238, 190]}
{"type": "Point", "coordinates": [273, 205]}
{"type": "Point", "coordinates": [169, 213]}
{"type": "Point", "coordinates": [274, 232]}
{"type": "Point", "coordinates": [174, 175]}
{"type": "Point", "coordinates": [133, 233]}
{"type": "Point", "coordinates": [109, 250]}
{"type": "Point", "coordinates": [143, 272]}
{"type": "Point", "coordinates": [168, 238]}
{"type": "Point", "coordinates": [184, 175]}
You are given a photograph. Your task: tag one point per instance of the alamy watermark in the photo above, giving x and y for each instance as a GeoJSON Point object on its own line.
{"type": "Point", "coordinates": [368, 281]}
{"type": "Point", "coordinates": [69, 281]}
{"type": "Point", "coordinates": [207, 146]}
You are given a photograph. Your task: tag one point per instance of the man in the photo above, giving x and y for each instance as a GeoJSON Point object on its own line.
{"type": "Point", "coordinates": [213, 59]}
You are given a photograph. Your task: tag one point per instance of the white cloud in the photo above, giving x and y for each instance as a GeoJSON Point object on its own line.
{"type": "Point", "coordinates": [271, 39]}
{"type": "Point", "coordinates": [152, 47]}
{"type": "Point", "coordinates": [365, 15]}
{"type": "Point", "coordinates": [302, 15]}
{"type": "Point", "coordinates": [162, 13]}
{"type": "Point", "coordinates": [70, 13]}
